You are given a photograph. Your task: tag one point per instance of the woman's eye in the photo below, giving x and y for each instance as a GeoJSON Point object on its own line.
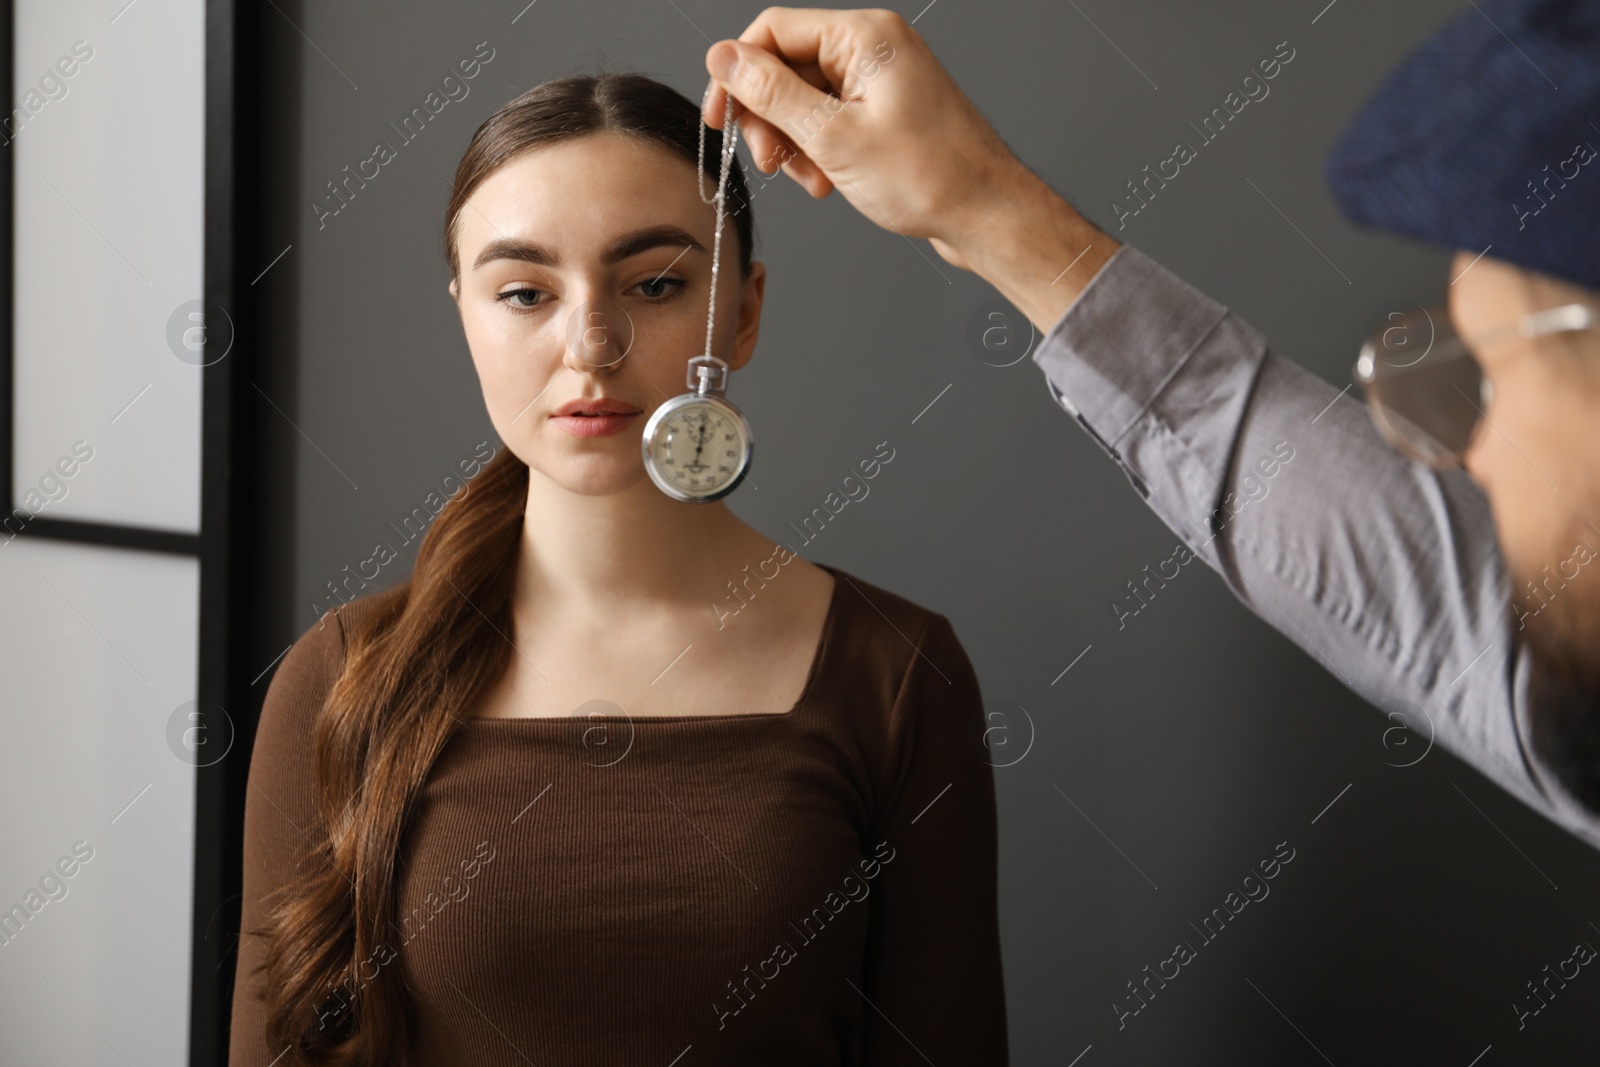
{"type": "Point", "coordinates": [513, 297]}
{"type": "Point", "coordinates": [661, 289]}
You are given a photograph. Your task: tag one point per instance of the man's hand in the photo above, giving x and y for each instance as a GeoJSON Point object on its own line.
{"type": "Point", "coordinates": [854, 100]}
{"type": "Point", "coordinates": [847, 100]}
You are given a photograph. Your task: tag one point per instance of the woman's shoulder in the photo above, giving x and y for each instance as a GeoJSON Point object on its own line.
{"type": "Point", "coordinates": [330, 630]}
{"type": "Point", "coordinates": [314, 662]}
{"type": "Point", "coordinates": [887, 639]}
{"type": "Point", "coordinates": [349, 615]}
{"type": "Point", "coordinates": [904, 687]}
{"type": "Point", "coordinates": [882, 612]}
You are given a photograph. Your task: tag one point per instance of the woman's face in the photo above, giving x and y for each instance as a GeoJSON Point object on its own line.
{"type": "Point", "coordinates": [585, 277]}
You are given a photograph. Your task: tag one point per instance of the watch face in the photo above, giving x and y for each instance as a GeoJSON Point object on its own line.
{"type": "Point", "coordinates": [698, 450]}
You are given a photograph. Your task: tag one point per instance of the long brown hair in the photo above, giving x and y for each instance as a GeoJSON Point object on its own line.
{"type": "Point", "coordinates": [421, 659]}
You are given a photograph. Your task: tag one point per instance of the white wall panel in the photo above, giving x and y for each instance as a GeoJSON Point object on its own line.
{"type": "Point", "coordinates": [109, 212]}
{"type": "Point", "coordinates": [99, 649]}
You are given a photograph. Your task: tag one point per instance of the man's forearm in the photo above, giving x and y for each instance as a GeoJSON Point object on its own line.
{"type": "Point", "coordinates": [1032, 246]}
{"type": "Point", "coordinates": [1287, 490]}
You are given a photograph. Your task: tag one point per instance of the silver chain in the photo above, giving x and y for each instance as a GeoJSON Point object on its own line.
{"type": "Point", "coordinates": [730, 137]}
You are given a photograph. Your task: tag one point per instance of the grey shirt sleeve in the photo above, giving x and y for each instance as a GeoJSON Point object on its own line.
{"type": "Point", "coordinates": [1386, 572]}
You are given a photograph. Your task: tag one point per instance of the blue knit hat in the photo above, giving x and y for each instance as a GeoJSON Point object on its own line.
{"type": "Point", "coordinates": [1488, 137]}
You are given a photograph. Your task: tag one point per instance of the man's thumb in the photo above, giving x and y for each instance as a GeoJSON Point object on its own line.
{"type": "Point", "coordinates": [762, 82]}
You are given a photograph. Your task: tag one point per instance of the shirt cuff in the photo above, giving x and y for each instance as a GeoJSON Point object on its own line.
{"type": "Point", "coordinates": [1130, 330]}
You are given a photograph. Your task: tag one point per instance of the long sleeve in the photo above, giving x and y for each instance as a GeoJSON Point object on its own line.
{"type": "Point", "coordinates": [279, 807]}
{"type": "Point", "coordinates": [1385, 571]}
{"type": "Point", "coordinates": [933, 980]}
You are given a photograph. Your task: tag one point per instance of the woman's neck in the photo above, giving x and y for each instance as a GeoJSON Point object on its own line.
{"type": "Point", "coordinates": [607, 553]}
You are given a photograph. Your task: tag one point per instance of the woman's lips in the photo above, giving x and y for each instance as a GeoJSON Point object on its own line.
{"type": "Point", "coordinates": [594, 425]}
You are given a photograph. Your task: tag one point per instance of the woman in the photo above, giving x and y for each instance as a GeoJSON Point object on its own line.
{"type": "Point", "coordinates": [614, 779]}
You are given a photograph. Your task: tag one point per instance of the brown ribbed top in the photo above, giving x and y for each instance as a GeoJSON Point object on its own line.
{"type": "Point", "coordinates": [816, 887]}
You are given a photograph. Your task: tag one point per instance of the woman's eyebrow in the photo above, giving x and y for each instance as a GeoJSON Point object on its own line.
{"type": "Point", "coordinates": [629, 244]}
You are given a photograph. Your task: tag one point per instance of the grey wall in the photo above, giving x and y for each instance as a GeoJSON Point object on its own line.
{"type": "Point", "coordinates": [1196, 739]}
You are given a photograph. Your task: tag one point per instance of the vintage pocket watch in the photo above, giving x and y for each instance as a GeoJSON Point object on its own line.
{"type": "Point", "coordinates": [697, 446]}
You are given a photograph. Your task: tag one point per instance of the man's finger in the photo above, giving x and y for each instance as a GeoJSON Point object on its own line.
{"type": "Point", "coordinates": [801, 34]}
{"type": "Point", "coordinates": [716, 98]}
{"type": "Point", "coordinates": [761, 82]}
{"type": "Point", "coordinates": [812, 75]}
{"type": "Point", "coordinates": [822, 40]}
{"type": "Point", "coordinates": [768, 145]}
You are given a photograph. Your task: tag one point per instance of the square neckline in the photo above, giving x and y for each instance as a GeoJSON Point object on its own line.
{"type": "Point", "coordinates": [819, 658]}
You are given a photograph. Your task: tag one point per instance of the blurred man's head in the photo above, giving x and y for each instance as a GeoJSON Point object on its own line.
{"type": "Point", "coordinates": [1536, 452]}
{"type": "Point", "coordinates": [1486, 139]}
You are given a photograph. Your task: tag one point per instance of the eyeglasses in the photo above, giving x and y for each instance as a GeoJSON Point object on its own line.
{"type": "Point", "coordinates": [1426, 390]}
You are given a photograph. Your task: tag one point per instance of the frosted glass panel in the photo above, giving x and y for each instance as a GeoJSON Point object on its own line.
{"type": "Point", "coordinates": [107, 139]}
{"type": "Point", "coordinates": [97, 648]}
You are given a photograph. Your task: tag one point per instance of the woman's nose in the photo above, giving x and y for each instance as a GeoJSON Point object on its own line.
{"type": "Point", "coordinates": [599, 334]}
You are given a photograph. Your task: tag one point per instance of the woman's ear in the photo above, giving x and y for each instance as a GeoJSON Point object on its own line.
{"type": "Point", "coordinates": [455, 291]}
{"type": "Point", "coordinates": [744, 339]}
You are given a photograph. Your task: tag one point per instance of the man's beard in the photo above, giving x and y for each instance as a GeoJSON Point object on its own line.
{"type": "Point", "coordinates": [1564, 683]}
